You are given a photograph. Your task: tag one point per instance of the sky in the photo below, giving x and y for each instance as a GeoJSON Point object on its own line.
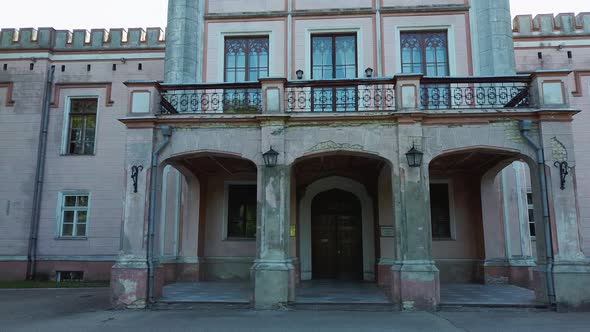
{"type": "Point", "coordinates": [87, 14]}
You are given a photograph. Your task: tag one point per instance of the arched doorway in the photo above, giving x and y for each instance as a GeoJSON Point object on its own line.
{"type": "Point", "coordinates": [337, 248]}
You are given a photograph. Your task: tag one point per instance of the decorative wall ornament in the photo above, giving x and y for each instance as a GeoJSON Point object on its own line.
{"type": "Point", "coordinates": [134, 175]}
{"type": "Point", "coordinates": [564, 170]}
{"type": "Point", "coordinates": [331, 145]}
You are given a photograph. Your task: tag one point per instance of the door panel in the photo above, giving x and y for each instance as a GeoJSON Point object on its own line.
{"type": "Point", "coordinates": [337, 236]}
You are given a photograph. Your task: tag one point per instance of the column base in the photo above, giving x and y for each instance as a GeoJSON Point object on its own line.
{"type": "Point", "coordinates": [129, 285]}
{"type": "Point", "coordinates": [514, 272]}
{"type": "Point", "coordinates": [571, 286]}
{"type": "Point", "coordinates": [415, 285]}
{"type": "Point", "coordinates": [274, 284]}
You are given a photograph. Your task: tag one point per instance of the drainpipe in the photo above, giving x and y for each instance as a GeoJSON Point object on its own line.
{"type": "Point", "coordinates": [39, 175]}
{"type": "Point", "coordinates": [525, 127]}
{"type": "Point", "coordinates": [167, 133]}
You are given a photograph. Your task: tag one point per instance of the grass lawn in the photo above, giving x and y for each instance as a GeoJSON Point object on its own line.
{"type": "Point", "coordinates": [52, 284]}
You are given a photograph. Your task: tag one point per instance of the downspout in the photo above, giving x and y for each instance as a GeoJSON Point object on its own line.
{"type": "Point", "coordinates": [525, 127]}
{"type": "Point", "coordinates": [39, 177]}
{"type": "Point", "coordinates": [167, 133]}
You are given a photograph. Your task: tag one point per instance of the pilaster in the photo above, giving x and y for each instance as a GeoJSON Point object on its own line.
{"type": "Point", "coordinates": [415, 278]}
{"type": "Point", "coordinates": [273, 273]}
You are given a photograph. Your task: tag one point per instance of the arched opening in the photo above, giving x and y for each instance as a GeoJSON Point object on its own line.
{"type": "Point", "coordinates": [207, 226]}
{"type": "Point", "coordinates": [337, 241]}
{"type": "Point", "coordinates": [343, 225]}
{"type": "Point", "coordinates": [485, 202]}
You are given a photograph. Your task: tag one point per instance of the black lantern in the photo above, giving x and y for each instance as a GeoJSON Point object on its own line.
{"type": "Point", "coordinates": [369, 72]}
{"type": "Point", "coordinates": [270, 157]}
{"type": "Point", "coordinates": [299, 74]}
{"type": "Point", "coordinates": [414, 157]}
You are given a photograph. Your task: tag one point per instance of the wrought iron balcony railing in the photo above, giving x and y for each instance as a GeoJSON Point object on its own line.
{"type": "Point", "coordinates": [238, 98]}
{"type": "Point", "coordinates": [358, 95]}
{"type": "Point", "coordinates": [474, 92]}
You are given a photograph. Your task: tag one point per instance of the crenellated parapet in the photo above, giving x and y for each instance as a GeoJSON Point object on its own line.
{"type": "Point", "coordinates": [81, 40]}
{"type": "Point", "coordinates": [564, 24]}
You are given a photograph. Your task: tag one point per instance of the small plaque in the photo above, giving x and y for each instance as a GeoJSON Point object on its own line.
{"type": "Point", "coordinates": [293, 230]}
{"type": "Point", "coordinates": [387, 231]}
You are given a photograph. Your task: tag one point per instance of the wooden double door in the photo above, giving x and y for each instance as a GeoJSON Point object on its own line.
{"type": "Point", "coordinates": [337, 251]}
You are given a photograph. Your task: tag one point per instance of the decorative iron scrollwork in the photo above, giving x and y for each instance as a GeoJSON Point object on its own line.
{"type": "Point", "coordinates": [134, 175]}
{"type": "Point", "coordinates": [564, 170]}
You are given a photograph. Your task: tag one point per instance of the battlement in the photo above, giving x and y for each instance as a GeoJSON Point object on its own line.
{"type": "Point", "coordinates": [81, 40]}
{"type": "Point", "coordinates": [564, 24]}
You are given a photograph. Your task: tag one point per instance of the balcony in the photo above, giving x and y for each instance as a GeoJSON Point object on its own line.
{"type": "Point", "coordinates": [391, 95]}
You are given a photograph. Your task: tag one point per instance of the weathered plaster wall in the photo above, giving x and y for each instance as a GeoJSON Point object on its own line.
{"type": "Point", "coordinates": [553, 37]}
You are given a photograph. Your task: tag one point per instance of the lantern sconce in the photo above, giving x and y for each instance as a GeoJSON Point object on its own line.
{"type": "Point", "coordinates": [134, 175]}
{"type": "Point", "coordinates": [564, 171]}
{"type": "Point", "coordinates": [299, 74]}
{"type": "Point", "coordinates": [270, 157]}
{"type": "Point", "coordinates": [414, 157]}
{"type": "Point", "coordinates": [369, 72]}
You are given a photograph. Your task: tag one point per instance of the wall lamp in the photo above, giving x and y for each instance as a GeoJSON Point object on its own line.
{"type": "Point", "coordinates": [415, 157]}
{"type": "Point", "coordinates": [369, 72]}
{"type": "Point", "coordinates": [270, 157]}
{"type": "Point", "coordinates": [299, 74]}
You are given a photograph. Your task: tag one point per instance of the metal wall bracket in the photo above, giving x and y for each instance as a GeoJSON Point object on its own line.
{"type": "Point", "coordinates": [134, 175]}
{"type": "Point", "coordinates": [564, 170]}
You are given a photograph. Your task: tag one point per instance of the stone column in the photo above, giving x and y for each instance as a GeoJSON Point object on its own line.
{"type": "Point", "coordinates": [130, 273]}
{"type": "Point", "coordinates": [571, 269]}
{"type": "Point", "coordinates": [273, 272]}
{"type": "Point", "coordinates": [415, 278]}
{"type": "Point", "coordinates": [184, 41]}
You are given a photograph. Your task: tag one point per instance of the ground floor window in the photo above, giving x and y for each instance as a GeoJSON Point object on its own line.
{"type": "Point", "coordinates": [531, 210]}
{"type": "Point", "coordinates": [241, 211]}
{"type": "Point", "coordinates": [74, 215]}
{"type": "Point", "coordinates": [440, 211]}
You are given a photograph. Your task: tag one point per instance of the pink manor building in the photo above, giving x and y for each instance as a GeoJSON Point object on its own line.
{"type": "Point", "coordinates": [404, 145]}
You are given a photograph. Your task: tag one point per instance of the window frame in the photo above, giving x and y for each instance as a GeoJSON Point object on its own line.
{"type": "Point", "coordinates": [451, 49]}
{"type": "Point", "coordinates": [60, 214]}
{"type": "Point", "coordinates": [65, 151]}
{"type": "Point", "coordinates": [531, 209]}
{"type": "Point", "coordinates": [334, 92]}
{"type": "Point", "coordinates": [452, 220]}
{"type": "Point", "coordinates": [225, 214]}
{"type": "Point", "coordinates": [247, 58]}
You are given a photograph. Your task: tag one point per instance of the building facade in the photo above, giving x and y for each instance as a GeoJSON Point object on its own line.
{"type": "Point", "coordinates": [280, 142]}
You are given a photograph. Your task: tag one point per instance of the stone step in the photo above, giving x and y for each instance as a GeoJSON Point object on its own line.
{"type": "Point", "coordinates": [369, 307]}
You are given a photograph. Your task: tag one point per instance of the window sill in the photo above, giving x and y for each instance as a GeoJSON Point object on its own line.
{"type": "Point", "coordinates": [77, 155]}
{"type": "Point", "coordinates": [71, 238]}
{"type": "Point", "coordinates": [239, 239]}
{"type": "Point", "coordinates": [444, 240]}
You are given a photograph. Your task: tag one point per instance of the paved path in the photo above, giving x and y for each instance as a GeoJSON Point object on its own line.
{"type": "Point", "coordinates": [87, 310]}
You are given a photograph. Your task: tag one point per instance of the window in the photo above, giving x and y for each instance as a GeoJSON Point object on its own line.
{"type": "Point", "coordinates": [425, 52]}
{"type": "Point", "coordinates": [531, 210]}
{"type": "Point", "coordinates": [334, 56]}
{"type": "Point", "coordinates": [82, 126]}
{"type": "Point", "coordinates": [74, 215]}
{"type": "Point", "coordinates": [241, 211]}
{"type": "Point", "coordinates": [246, 59]}
{"type": "Point", "coordinates": [440, 211]}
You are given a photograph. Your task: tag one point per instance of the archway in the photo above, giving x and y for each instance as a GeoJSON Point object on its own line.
{"type": "Point", "coordinates": [367, 219]}
{"type": "Point", "coordinates": [480, 222]}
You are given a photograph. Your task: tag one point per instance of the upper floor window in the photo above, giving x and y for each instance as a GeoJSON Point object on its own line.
{"type": "Point", "coordinates": [82, 126]}
{"type": "Point", "coordinates": [333, 56]}
{"type": "Point", "coordinates": [73, 215]}
{"type": "Point", "coordinates": [246, 58]}
{"type": "Point", "coordinates": [241, 212]}
{"type": "Point", "coordinates": [425, 52]}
